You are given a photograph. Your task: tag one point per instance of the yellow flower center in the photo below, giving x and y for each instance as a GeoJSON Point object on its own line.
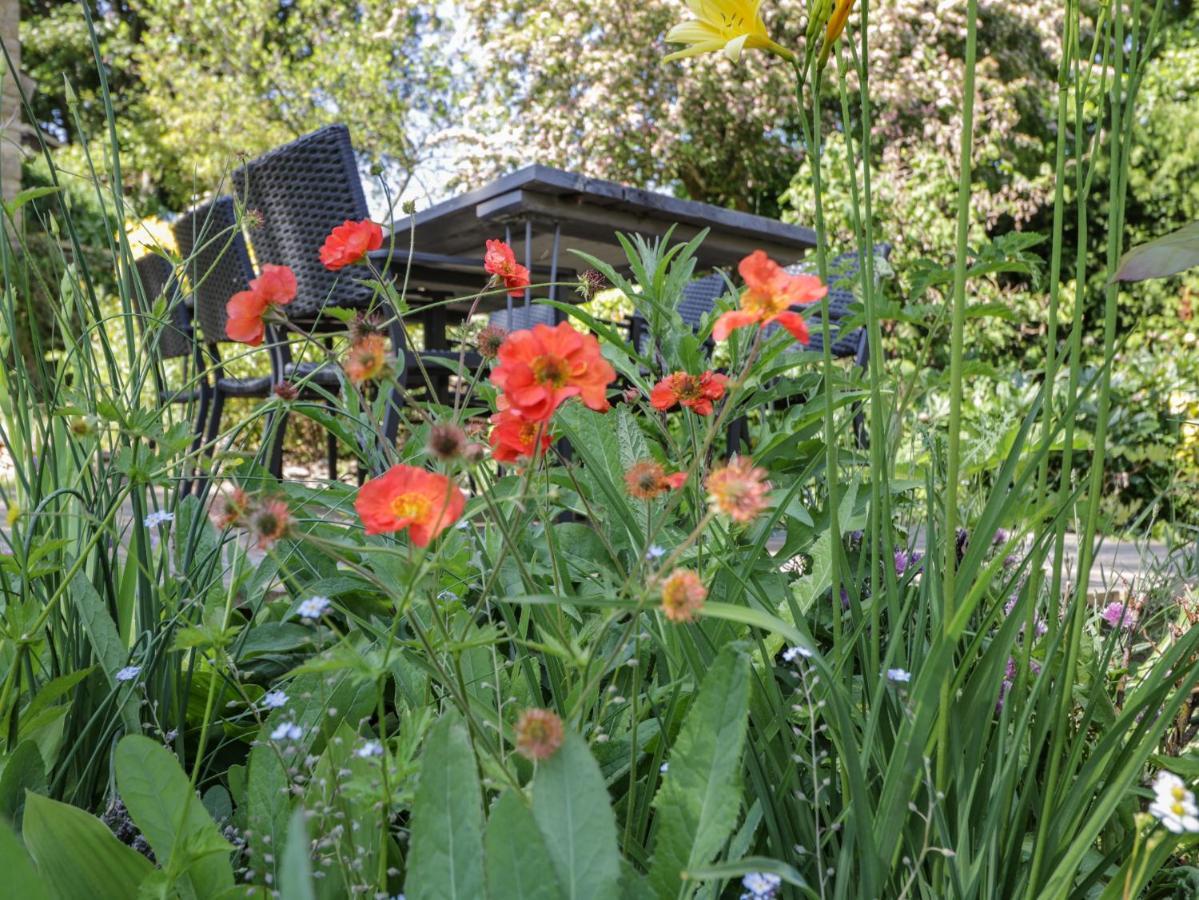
{"type": "Point", "coordinates": [763, 306]}
{"type": "Point", "coordinates": [551, 370]}
{"type": "Point", "coordinates": [414, 507]}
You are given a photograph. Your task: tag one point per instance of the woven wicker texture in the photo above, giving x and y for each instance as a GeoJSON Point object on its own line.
{"type": "Point", "coordinates": [216, 262]}
{"type": "Point", "coordinates": [699, 297]}
{"type": "Point", "coordinates": [842, 276]}
{"type": "Point", "coordinates": [157, 277]}
{"type": "Point", "coordinates": [523, 317]}
{"type": "Point", "coordinates": [303, 190]}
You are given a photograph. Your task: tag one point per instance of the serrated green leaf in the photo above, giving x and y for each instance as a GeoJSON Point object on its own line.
{"type": "Point", "coordinates": [446, 849]}
{"type": "Point", "coordinates": [700, 796]}
{"type": "Point", "coordinates": [170, 815]}
{"type": "Point", "coordinates": [573, 811]}
{"type": "Point", "coordinates": [76, 854]}
{"type": "Point", "coordinates": [518, 862]}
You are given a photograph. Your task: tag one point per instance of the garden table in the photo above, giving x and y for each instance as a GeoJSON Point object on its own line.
{"type": "Point", "coordinates": [541, 211]}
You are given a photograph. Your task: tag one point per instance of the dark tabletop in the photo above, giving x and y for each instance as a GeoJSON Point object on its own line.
{"type": "Point", "coordinates": [451, 235]}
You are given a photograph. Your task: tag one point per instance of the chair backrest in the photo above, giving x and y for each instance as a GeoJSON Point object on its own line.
{"type": "Point", "coordinates": [700, 296]}
{"type": "Point", "coordinates": [302, 190]}
{"type": "Point", "coordinates": [842, 276]}
{"type": "Point", "coordinates": [216, 262]}
{"type": "Point", "coordinates": [157, 277]}
{"type": "Point", "coordinates": [521, 317]}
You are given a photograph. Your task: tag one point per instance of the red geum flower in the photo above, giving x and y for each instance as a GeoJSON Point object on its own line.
{"type": "Point", "coordinates": [500, 261]}
{"type": "Point", "coordinates": [683, 595]}
{"type": "Point", "coordinates": [349, 243]}
{"type": "Point", "coordinates": [540, 367]}
{"type": "Point", "coordinates": [696, 392]}
{"type": "Point", "coordinates": [426, 503]}
{"type": "Point", "coordinates": [647, 479]}
{"type": "Point", "coordinates": [739, 489]}
{"type": "Point", "coordinates": [244, 311]}
{"type": "Point", "coordinates": [770, 292]}
{"type": "Point", "coordinates": [514, 438]}
{"type": "Point", "coordinates": [366, 359]}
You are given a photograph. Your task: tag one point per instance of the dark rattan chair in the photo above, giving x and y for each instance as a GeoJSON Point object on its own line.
{"type": "Point", "coordinates": [218, 266]}
{"type": "Point", "coordinates": [174, 340]}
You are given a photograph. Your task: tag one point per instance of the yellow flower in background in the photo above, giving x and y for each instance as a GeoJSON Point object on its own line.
{"type": "Point", "coordinates": [727, 25]}
{"type": "Point", "coordinates": [149, 235]}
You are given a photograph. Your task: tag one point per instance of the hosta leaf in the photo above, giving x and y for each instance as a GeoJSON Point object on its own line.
{"type": "Point", "coordinates": [446, 850]}
{"type": "Point", "coordinates": [700, 796]}
{"type": "Point", "coordinates": [518, 864]}
{"type": "Point", "coordinates": [23, 771]}
{"type": "Point", "coordinates": [1167, 255]}
{"type": "Point", "coordinates": [78, 856]}
{"type": "Point", "coordinates": [572, 809]}
{"type": "Point", "coordinates": [20, 877]}
{"type": "Point", "coordinates": [163, 805]}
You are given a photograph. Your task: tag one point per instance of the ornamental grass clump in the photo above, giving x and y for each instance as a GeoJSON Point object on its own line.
{"type": "Point", "coordinates": [679, 617]}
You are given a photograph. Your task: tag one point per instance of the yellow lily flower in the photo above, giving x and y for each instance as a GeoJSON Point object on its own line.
{"type": "Point", "coordinates": [836, 22]}
{"type": "Point", "coordinates": [723, 25]}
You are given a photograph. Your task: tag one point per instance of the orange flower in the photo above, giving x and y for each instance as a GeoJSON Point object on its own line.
{"type": "Point", "coordinates": [647, 479]}
{"type": "Point", "coordinates": [233, 509]}
{"type": "Point", "coordinates": [683, 595]}
{"type": "Point", "coordinates": [836, 22]}
{"type": "Point", "coordinates": [269, 522]}
{"type": "Point", "coordinates": [244, 312]}
{"type": "Point", "coordinates": [366, 359]}
{"type": "Point", "coordinates": [515, 438]}
{"type": "Point", "coordinates": [739, 489]}
{"type": "Point", "coordinates": [276, 286]}
{"type": "Point", "coordinates": [770, 292]}
{"type": "Point", "coordinates": [349, 243]}
{"type": "Point", "coordinates": [499, 260]}
{"type": "Point", "coordinates": [424, 502]}
{"type": "Point", "coordinates": [696, 392]}
{"type": "Point", "coordinates": [540, 367]}
{"type": "Point", "coordinates": [538, 734]}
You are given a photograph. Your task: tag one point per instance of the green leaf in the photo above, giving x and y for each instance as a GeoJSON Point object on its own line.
{"type": "Point", "coordinates": [700, 796]}
{"type": "Point", "coordinates": [24, 771]}
{"type": "Point", "coordinates": [518, 862]}
{"type": "Point", "coordinates": [573, 811]}
{"type": "Point", "coordinates": [1167, 255]}
{"type": "Point", "coordinates": [106, 641]}
{"type": "Point", "coordinates": [295, 880]}
{"type": "Point", "coordinates": [79, 858]}
{"type": "Point", "coordinates": [33, 193]}
{"type": "Point", "coordinates": [20, 877]}
{"type": "Point", "coordinates": [743, 867]}
{"type": "Point", "coordinates": [446, 850]}
{"type": "Point", "coordinates": [170, 815]}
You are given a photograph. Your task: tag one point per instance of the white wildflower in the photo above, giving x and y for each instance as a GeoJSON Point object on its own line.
{"type": "Point", "coordinates": [128, 673]}
{"type": "Point", "coordinates": [900, 676]}
{"type": "Point", "coordinates": [655, 552]}
{"type": "Point", "coordinates": [369, 749]}
{"type": "Point", "coordinates": [287, 731]}
{"type": "Point", "coordinates": [313, 607]}
{"type": "Point", "coordinates": [273, 699]}
{"type": "Point", "coordinates": [159, 517]}
{"type": "Point", "coordinates": [760, 885]}
{"type": "Point", "coordinates": [793, 653]}
{"type": "Point", "coordinates": [1173, 804]}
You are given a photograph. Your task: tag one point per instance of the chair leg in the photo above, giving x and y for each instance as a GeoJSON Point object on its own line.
{"type": "Point", "coordinates": [210, 436]}
{"type": "Point", "coordinates": [738, 434]}
{"type": "Point", "coordinates": [276, 430]}
{"type": "Point", "coordinates": [331, 449]}
{"type": "Point", "coordinates": [193, 478]}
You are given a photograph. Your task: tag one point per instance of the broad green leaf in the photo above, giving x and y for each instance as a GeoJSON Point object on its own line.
{"type": "Point", "coordinates": [573, 811]}
{"type": "Point", "coordinates": [20, 877]}
{"type": "Point", "coordinates": [106, 641]}
{"type": "Point", "coordinates": [295, 880]}
{"type": "Point", "coordinates": [518, 863]}
{"type": "Point", "coordinates": [78, 856]}
{"type": "Point", "coordinates": [446, 850]}
{"type": "Point", "coordinates": [700, 796]}
{"type": "Point", "coordinates": [24, 771]}
{"type": "Point", "coordinates": [25, 196]}
{"type": "Point", "coordinates": [173, 819]}
{"type": "Point", "coordinates": [1160, 258]}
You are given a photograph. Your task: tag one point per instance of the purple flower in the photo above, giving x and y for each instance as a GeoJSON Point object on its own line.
{"type": "Point", "coordinates": [905, 559]}
{"type": "Point", "coordinates": [1120, 615]}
